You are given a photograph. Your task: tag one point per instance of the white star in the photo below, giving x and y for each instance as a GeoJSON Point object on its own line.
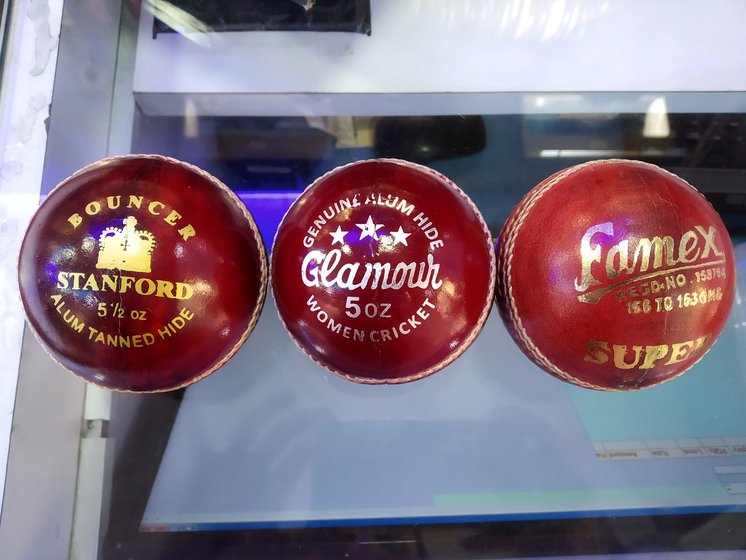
{"type": "Point", "coordinates": [369, 229]}
{"type": "Point", "coordinates": [338, 236]}
{"type": "Point", "coordinates": [400, 236]}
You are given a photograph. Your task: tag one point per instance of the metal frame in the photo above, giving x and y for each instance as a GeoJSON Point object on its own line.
{"type": "Point", "coordinates": [46, 441]}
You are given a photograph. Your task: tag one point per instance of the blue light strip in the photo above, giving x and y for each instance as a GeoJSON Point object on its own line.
{"type": "Point", "coordinates": [434, 520]}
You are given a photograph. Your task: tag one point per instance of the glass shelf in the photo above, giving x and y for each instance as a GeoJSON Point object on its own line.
{"type": "Point", "coordinates": [273, 457]}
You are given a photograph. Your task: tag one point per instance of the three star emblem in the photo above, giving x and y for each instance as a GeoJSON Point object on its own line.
{"type": "Point", "coordinates": [369, 229]}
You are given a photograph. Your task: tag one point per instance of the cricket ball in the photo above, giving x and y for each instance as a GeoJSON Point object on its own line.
{"type": "Point", "coordinates": [142, 273]}
{"type": "Point", "coordinates": [383, 271]}
{"type": "Point", "coordinates": [615, 275]}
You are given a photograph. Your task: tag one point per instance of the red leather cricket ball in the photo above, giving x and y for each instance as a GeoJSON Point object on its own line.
{"type": "Point", "coordinates": [142, 273]}
{"type": "Point", "coordinates": [383, 271]}
{"type": "Point", "coordinates": [615, 275]}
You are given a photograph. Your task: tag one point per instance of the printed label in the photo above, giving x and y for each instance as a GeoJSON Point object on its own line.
{"type": "Point", "coordinates": [123, 266]}
{"type": "Point", "coordinates": [649, 276]}
{"type": "Point", "coordinates": [353, 258]}
{"type": "Point", "coordinates": [660, 265]}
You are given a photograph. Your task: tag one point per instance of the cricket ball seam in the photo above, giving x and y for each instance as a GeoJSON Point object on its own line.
{"type": "Point", "coordinates": [492, 274]}
{"type": "Point", "coordinates": [518, 327]}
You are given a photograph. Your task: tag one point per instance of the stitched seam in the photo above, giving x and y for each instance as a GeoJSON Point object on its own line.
{"type": "Point", "coordinates": [507, 249]}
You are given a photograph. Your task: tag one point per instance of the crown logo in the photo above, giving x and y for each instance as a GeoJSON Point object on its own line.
{"type": "Point", "coordinates": [125, 248]}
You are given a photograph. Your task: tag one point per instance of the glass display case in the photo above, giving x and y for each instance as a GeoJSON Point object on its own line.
{"type": "Point", "coordinates": [271, 456]}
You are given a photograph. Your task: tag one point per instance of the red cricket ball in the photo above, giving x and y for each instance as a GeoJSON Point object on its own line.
{"type": "Point", "coordinates": [615, 275]}
{"type": "Point", "coordinates": [383, 271]}
{"type": "Point", "coordinates": [142, 273]}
